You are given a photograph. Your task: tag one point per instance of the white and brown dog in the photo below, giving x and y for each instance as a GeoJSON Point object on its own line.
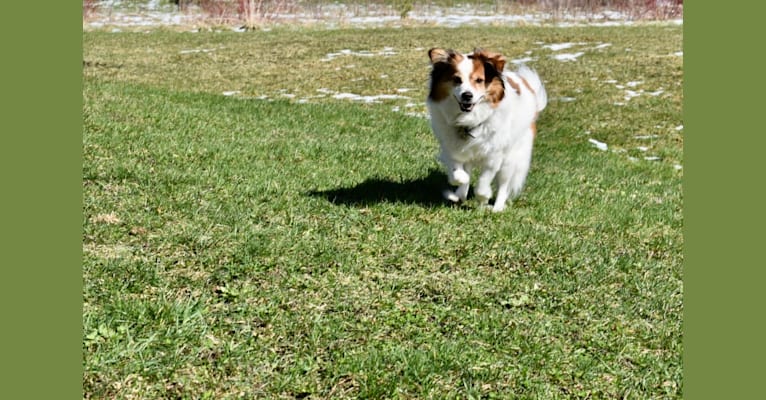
{"type": "Point", "coordinates": [483, 116]}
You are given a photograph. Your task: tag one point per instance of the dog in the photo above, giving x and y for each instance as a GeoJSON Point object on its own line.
{"type": "Point", "coordinates": [483, 116]}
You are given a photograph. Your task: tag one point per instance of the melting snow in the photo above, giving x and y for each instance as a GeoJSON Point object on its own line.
{"type": "Point", "coordinates": [367, 99]}
{"type": "Point", "coordinates": [386, 52]}
{"type": "Point", "coordinates": [567, 56]}
{"type": "Point", "coordinates": [522, 60]}
{"type": "Point", "coordinates": [599, 145]}
{"type": "Point", "coordinates": [629, 94]}
{"type": "Point", "coordinates": [558, 46]}
{"type": "Point", "coordinates": [195, 51]}
{"type": "Point", "coordinates": [159, 13]}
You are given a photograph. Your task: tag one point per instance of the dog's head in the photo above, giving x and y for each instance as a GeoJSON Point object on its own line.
{"type": "Point", "coordinates": [469, 79]}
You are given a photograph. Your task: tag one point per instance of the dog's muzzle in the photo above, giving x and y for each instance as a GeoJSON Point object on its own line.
{"type": "Point", "coordinates": [466, 101]}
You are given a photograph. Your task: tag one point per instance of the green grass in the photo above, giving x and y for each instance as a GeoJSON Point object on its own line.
{"type": "Point", "coordinates": [262, 248]}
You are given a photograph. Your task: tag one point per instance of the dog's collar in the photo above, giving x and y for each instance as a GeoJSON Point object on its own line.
{"type": "Point", "coordinates": [465, 133]}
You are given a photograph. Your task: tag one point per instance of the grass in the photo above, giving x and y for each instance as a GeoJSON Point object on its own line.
{"type": "Point", "coordinates": [281, 243]}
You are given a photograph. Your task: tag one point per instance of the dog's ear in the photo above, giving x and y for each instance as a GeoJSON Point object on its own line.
{"type": "Point", "coordinates": [496, 60]}
{"type": "Point", "coordinates": [438, 55]}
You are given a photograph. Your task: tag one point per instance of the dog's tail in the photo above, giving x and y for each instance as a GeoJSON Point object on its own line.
{"type": "Point", "coordinates": [533, 79]}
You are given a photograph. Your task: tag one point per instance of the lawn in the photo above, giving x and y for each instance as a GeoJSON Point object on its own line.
{"type": "Point", "coordinates": [262, 219]}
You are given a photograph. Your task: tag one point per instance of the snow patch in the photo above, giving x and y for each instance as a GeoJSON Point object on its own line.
{"type": "Point", "coordinates": [599, 145]}
{"type": "Point", "coordinates": [558, 46]}
{"type": "Point", "coordinates": [386, 52]}
{"type": "Point", "coordinates": [154, 13]}
{"type": "Point", "coordinates": [629, 94]}
{"type": "Point", "coordinates": [367, 99]}
{"type": "Point", "coordinates": [564, 57]}
{"type": "Point", "coordinates": [192, 51]}
{"type": "Point", "coordinates": [522, 60]}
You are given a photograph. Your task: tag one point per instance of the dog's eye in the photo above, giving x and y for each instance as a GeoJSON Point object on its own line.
{"type": "Point", "coordinates": [479, 80]}
{"type": "Point", "coordinates": [457, 80]}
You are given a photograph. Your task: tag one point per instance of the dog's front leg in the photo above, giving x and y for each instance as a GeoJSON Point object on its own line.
{"type": "Point", "coordinates": [483, 188]}
{"type": "Point", "coordinates": [458, 174]}
{"type": "Point", "coordinates": [456, 171]}
{"type": "Point", "coordinates": [462, 188]}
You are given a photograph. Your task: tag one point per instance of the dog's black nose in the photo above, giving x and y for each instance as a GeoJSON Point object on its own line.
{"type": "Point", "coordinates": [466, 97]}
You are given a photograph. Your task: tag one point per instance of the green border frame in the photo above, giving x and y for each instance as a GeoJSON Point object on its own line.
{"type": "Point", "coordinates": [723, 232]}
{"type": "Point", "coordinates": [42, 208]}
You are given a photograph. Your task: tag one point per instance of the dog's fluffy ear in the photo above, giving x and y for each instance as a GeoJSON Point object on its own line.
{"type": "Point", "coordinates": [438, 55]}
{"type": "Point", "coordinates": [497, 60]}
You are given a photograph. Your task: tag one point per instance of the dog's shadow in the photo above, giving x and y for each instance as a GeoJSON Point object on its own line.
{"type": "Point", "coordinates": [425, 191]}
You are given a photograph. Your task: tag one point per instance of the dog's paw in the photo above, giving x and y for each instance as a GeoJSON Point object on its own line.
{"type": "Point", "coordinates": [451, 196]}
{"type": "Point", "coordinates": [498, 208]}
{"type": "Point", "coordinates": [459, 177]}
{"type": "Point", "coordinates": [483, 194]}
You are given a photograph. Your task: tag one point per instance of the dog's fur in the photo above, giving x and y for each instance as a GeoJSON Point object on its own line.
{"type": "Point", "coordinates": [483, 116]}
